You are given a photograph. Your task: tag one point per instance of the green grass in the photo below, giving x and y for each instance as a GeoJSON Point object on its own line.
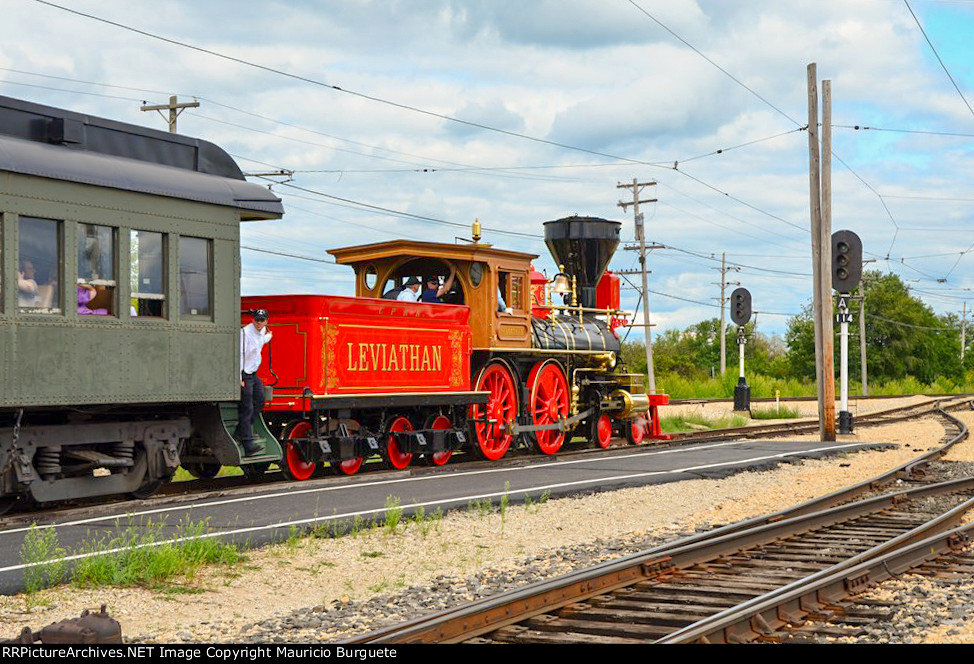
{"type": "Point", "coordinates": [694, 422]}
{"type": "Point", "coordinates": [772, 413]}
{"type": "Point", "coordinates": [44, 555]}
{"type": "Point", "coordinates": [144, 556]}
{"type": "Point", "coordinates": [722, 387]}
{"type": "Point", "coordinates": [393, 514]}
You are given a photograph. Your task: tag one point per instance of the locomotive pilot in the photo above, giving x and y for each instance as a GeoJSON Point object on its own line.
{"type": "Point", "coordinates": [253, 336]}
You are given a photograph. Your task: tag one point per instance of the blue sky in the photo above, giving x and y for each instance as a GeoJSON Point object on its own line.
{"type": "Point", "coordinates": [597, 76]}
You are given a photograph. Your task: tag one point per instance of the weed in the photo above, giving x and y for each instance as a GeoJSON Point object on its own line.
{"type": "Point", "coordinates": [504, 499]}
{"type": "Point", "coordinates": [293, 540]}
{"type": "Point", "coordinates": [393, 514]}
{"type": "Point", "coordinates": [372, 554]}
{"type": "Point", "coordinates": [147, 555]}
{"type": "Point", "coordinates": [44, 558]}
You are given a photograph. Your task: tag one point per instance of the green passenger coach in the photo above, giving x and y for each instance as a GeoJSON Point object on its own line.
{"type": "Point", "coordinates": [119, 300]}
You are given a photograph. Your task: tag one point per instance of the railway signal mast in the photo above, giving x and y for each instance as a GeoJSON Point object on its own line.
{"type": "Point", "coordinates": [740, 315]}
{"type": "Point", "coordinates": [846, 273]}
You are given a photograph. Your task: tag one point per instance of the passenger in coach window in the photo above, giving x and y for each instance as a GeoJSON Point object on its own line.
{"type": "Point", "coordinates": [434, 292]}
{"type": "Point", "coordinates": [26, 285]}
{"type": "Point", "coordinates": [410, 291]}
{"type": "Point", "coordinates": [253, 336]}
{"type": "Point", "coordinates": [87, 293]}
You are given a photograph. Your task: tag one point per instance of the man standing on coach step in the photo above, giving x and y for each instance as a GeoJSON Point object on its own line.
{"type": "Point", "coordinates": [252, 339]}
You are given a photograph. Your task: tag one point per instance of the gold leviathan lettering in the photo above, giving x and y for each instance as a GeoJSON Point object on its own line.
{"type": "Point", "coordinates": [375, 357]}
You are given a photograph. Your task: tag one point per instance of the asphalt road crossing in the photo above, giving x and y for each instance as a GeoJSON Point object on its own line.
{"type": "Point", "coordinates": [256, 515]}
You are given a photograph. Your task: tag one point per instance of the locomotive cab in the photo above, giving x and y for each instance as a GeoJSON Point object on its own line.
{"type": "Point", "coordinates": [485, 277]}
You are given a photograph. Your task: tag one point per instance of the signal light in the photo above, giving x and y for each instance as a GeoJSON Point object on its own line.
{"type": "Point", "coordinates": [846, 261]}
{"type": "Point", "coordinates": [740, 306]}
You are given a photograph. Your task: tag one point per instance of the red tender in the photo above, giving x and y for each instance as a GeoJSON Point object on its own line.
{"type": "Point", "coordinates": [350, 345]}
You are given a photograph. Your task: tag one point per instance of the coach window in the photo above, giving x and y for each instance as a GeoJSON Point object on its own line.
{"type": "Point", "coordinates": [195, 262]}
{"type": "Point", "coordinates": [148, 272]}
{"type": "Point", "coordinates": [96, 270]}
{"type": "Point", "coordinates": [38, 267]}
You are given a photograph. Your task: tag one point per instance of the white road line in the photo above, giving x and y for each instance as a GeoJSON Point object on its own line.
{"type": "Point", "coordinates": [347, 487]}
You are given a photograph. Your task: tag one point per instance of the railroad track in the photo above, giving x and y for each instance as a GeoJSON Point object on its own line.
{"type": "Point", "coordinates": [769, 578]}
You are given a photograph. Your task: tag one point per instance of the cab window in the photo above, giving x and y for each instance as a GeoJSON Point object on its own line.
{"type": "Point", "coordinates": [510, 291]}
{"type": "Point", "coordinates": [38, 268]}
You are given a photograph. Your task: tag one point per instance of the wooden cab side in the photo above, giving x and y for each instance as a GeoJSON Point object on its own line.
{"type": "Point", "coordinates": [484, 276]}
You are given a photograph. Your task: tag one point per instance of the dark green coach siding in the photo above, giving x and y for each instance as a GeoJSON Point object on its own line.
{"type": "Point", "coordinates": [70, 359]}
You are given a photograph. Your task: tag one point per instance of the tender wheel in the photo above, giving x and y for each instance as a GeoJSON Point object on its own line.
{"type": "Point", "coordinates": [602, 431]}
{"type": "Point", "coordinates": [293, 465]}
{"type": "Point", "coordinates": [491, 438]}
{"type": "Point", "coordinates": [443, 457]}
{"type": "Point", "coordinates": [550, 402]}
{"type": "Point", "coordinates": [349, 466]}
{"type": "Point", "coordinates": [202, 470]}
{"type": "Point", "coordinates": [393, 456]}
{"type": "Point", "coordinates": [635, 430]}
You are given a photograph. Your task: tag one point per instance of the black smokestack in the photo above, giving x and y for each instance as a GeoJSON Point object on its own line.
{"type": "Point", "coordinates": [584, 245]}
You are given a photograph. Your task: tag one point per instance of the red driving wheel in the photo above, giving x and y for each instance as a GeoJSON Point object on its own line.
{"type": "Point", "coordinates": [550, 402]}
{"type": "Point", "coordinates": [492, 439]}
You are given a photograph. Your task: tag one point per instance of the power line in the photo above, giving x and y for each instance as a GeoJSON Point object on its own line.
{"type": "Point", "coordinates": [407, 107]}
{"type": "Point", "coordinates": [933, 48]}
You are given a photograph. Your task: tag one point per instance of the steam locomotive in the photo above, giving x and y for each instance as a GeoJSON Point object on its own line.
{"type": "Point", "coordinates": [119, 345]}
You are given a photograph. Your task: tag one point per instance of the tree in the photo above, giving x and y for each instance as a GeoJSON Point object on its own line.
{"type": "Point", "coordinates": [903, 337]}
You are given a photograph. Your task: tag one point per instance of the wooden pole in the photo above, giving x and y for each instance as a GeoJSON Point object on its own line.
{"type": "Point", "coordinates": [815, 208]}
{"type": "Point", "coordinates": [825, 272]}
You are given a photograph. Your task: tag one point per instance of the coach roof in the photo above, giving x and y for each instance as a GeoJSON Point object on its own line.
{"type": "Point", "coordinates": [62, 145]}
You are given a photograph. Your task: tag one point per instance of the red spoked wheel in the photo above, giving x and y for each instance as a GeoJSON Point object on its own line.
{"type": "Point", "coordinates": [492, 439]}
{"type": "Point", "coordinates": [443, 457]}
{"type": "Point", "coordinates": [394, 456]}
{"type": "Point", "coordinates": [348, 466]}
{"type": "Point", "coordinates": [635, 430]}
{"type": "Point", "coordinates": [293, 465]}
{"type": "Point", "coordinates": [603, 431]}
{"type": "Point", "coordinates": [550, 402]}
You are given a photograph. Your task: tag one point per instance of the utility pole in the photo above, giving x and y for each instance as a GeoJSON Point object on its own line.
{"type": "Point", "coordinates": [862, 338]}
{"type": "Point", "coordinates": [821, 262]}
{"type": "Point", "coordinates": [175, 109]}
{"type": "Point", "coordinates": [963, 333]}
{"type": "Point", "coordinates": [828, 338]}
{"type": "Point", "coordinates": [862, 330]}
{"type": "Point", "coordinates": [723, 300]}
{"type": "Point", "coordinates": [637, 188]}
